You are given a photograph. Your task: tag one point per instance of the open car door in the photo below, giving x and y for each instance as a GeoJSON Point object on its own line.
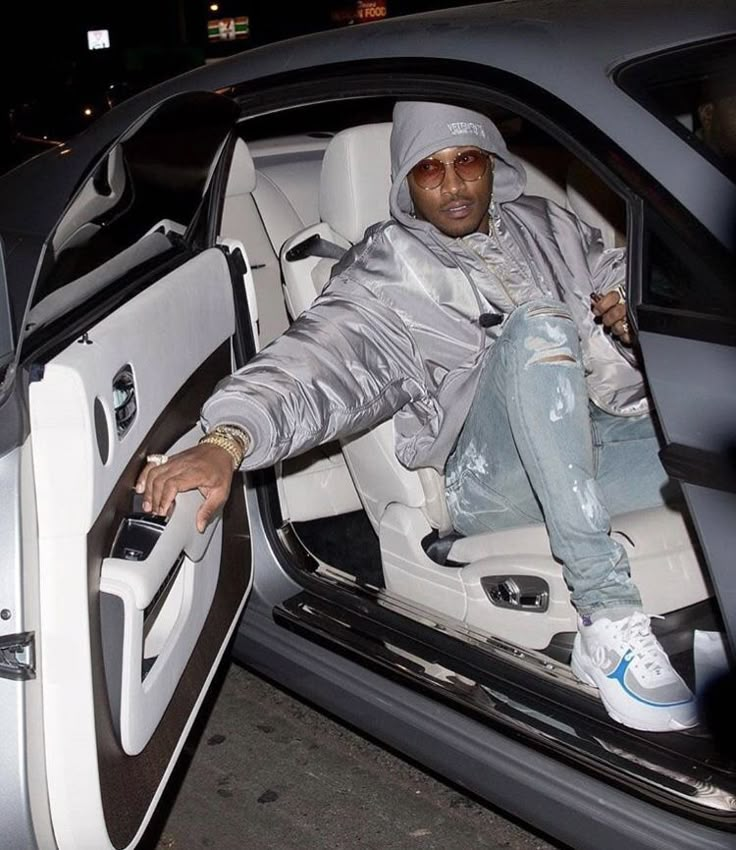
{"type": "Point", "coordinates": [129, 337]}
{"type": "Point", "coordinates": [687, 333]}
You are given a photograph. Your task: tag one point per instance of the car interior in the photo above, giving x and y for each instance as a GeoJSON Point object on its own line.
{"type": "Point", "coordinates": [360, 519]}
{"type": "Point", "coordinates": [301, 187]}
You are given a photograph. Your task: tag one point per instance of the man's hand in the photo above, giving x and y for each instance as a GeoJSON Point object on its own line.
{"type": "Point", "coordinates": [206, 468]}
{"type": "Point", "coordinates": [611, 309]}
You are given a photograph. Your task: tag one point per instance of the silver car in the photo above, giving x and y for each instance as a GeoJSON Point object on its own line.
{"type": "Point", "coordinates": [144, 259]}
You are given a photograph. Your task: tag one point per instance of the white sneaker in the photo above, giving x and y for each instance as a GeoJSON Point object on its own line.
{"type": "Point", "coordinates": [637, 683]}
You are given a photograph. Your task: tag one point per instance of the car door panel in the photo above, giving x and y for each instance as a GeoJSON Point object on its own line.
{"type": "Point", "coordinates": [153, 605]}
{"type": "Point", "coordinates": [692, 383]}
{"type": "Point", "coordinates": [126, 658]}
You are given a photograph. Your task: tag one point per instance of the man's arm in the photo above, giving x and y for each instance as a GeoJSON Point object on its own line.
{"type": "Point", "coordinates": [345, 365]}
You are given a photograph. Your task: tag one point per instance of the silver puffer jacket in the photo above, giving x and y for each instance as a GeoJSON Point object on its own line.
{"type": "Point", "coordinates": [396, 332]}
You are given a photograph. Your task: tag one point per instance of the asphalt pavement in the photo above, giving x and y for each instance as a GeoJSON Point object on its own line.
{"type": "Point", "coordinates": [265, 771]}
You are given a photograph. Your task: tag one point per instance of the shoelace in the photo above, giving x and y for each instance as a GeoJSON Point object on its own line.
{"type": "Point", "coordinates": [638, 634]}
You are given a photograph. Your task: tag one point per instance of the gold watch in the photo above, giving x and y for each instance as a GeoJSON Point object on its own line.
{"type": "Point", "coordinates": [235, 441]}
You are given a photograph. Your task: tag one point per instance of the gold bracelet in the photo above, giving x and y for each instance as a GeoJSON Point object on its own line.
{"type": "Point", "coordinates": [235, 441]}
{"type": "Point", "coordinates": [237, 433]}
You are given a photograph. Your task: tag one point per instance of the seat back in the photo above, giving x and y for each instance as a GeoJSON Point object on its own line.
{"type": "Point", "coordinates": [252, 213]}
{"type": "Point", "coordinates": [354, 189]}
{"type": "Point", "coordinates": [353, 194]}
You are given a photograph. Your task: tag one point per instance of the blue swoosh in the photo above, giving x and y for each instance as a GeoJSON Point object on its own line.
{"type": "Point", "coordinates": [619, 675]}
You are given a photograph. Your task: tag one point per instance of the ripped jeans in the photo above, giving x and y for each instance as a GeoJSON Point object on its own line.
{"type": "Point", "coordinates": [534, 449]}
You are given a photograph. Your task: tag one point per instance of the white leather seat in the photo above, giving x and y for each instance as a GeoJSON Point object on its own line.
{"type": "Point", "coordinates": [249, 202]}
{"type": "Point", "coordinates": [353, 194]}
{"type": "Point", "coordinates": [405, 506]}
{"type": "Point", "coordinates": [354, 190]}
{"type": "Point", "coordinates": [259, 214]}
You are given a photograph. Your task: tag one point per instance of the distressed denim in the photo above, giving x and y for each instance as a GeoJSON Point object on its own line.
{"type": "Point", "coordinates": [535, 449]}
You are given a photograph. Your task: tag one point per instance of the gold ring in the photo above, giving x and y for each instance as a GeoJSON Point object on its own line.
{"type": "Point", "coordinates": [625, 326]}
{"type": "Point", "coordinates": [157, 460]}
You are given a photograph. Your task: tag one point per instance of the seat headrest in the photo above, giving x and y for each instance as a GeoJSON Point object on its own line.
{"type": "Point", "coordinates": [356, 180]}
{"type": "Point", "coordinates": [242, 177]}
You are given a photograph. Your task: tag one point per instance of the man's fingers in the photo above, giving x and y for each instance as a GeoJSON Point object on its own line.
{"type": "Point", "coordinates": [206, 468]}
{"type": "Point", "coordinates": [169, 492]}
{"type": "Point", "coordinates": [155, 488]}
{"type": "Point", "coordinates": [216, 498]}
{"type": "Point", "coordinates": [623, 331]}
{"type": "Point", "coordinates": [140, 484]}
{"type": "Point", "coordinates": [614, 314]}
{"type": "Point", "coordinates": [602, 303]}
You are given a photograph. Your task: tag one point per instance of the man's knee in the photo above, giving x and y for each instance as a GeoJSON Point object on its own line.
{"type": "Point", "coordinates": [547, 332]}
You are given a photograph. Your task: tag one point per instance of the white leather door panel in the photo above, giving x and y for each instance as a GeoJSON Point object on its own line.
{"type": "Point", "coordinates": [130, 637]}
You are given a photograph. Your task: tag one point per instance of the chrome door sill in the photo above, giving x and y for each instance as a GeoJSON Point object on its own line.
{"type": "Point", "coordinates": [521, 692]}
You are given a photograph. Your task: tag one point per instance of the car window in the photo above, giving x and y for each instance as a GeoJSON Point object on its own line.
{"type": "Point", "coordinates": [687, 274]}
{"type": "Point", "coordinates": [157, 172]}
{"type": "Point", "coordinates": [693, 90]}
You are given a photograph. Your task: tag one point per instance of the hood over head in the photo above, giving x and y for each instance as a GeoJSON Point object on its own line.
{"type": "Point", "coordinates": [421, 128]}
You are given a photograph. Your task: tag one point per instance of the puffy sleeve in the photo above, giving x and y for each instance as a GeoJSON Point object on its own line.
{"type": "Point", "coordinates": [346, 364]}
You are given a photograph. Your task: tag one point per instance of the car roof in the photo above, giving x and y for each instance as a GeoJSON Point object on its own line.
{"type": "Point", "coordinates": [527, 37]}
{"type": "Point", "coordinates": [523, 37]}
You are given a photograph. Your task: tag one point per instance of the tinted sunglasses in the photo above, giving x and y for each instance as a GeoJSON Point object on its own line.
{"type": "Point", "coordinates": [469, 166]}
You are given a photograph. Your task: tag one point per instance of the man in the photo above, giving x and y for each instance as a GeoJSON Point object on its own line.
{"type": "Point", "coordinates": [717, 116]}
{"type": "Point", "coordinates": [489, 326]}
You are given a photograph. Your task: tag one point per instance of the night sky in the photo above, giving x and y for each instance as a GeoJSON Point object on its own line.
{"type": "Point", "coordinates": [49, 75]}
{"type": "Point", "coordinates": [48, 36]}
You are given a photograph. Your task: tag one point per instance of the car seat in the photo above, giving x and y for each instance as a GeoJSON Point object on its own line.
{"type": "Point", "coordinates": [505, 583]}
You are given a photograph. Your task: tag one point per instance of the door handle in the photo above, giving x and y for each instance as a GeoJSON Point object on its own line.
{"type": "Point", "coordinates": [147, 546]}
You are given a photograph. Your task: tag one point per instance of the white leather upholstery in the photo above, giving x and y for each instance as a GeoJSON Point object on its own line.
{"type": "Point", "coordinates": [242, 176]}
{"type": "Point", "coordinates": [539, 183]}
{"type": "Point", "coordinates": [259, 214]}
{"type": "Point", "coordinates": [242, 220]}
{"type": "Point", "coordinates": [356, 180]}
{"type": "Point", "coordinates": [353, 194]}
{"type": "Point", "coordinates": [278, 214]}
{"type": "Point", "coordinates": [304, 279]}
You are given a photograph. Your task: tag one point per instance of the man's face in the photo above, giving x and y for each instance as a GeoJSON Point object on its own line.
{"type": "Point", "coordinates": [456, 206]}
{"type": "Point", "coordinates": [719, 125]}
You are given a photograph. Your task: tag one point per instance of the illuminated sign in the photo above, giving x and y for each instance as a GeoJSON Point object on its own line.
{"type": "Point", "coordinates": [362, 11]}
{"type": "Point", "coordinates": [227, 29]}
{"type": "Point", "coordinates": [370, 10]}
{"type": "Point", "coordinates": [98, 39]}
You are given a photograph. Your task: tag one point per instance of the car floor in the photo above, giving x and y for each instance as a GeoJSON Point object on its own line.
{"type": "Point", "coordinates": [268, 772]}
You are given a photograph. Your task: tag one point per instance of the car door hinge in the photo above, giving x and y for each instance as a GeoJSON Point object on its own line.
{"type": "Point", "coordinates": [18, 656]}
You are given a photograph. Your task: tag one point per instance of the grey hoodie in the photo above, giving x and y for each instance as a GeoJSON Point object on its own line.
{"type": "Point", "coordinates": [396, 333]}
{"type": "Point", "coordinates": [421, 129]}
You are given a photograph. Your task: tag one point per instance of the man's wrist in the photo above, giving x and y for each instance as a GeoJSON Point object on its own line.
{"type": "Point", "coordinates": [232, 438]}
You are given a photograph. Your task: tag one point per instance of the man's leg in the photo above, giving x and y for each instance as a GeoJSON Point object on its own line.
{"type": "Point", "coordinates": [526, 453]}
